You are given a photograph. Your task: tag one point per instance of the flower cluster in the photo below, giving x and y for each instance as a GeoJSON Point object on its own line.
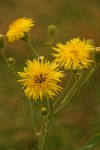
{"type": "Point", "coordinates": [40, 77]}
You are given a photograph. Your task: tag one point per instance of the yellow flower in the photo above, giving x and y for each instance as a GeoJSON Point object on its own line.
{"type": "Point", "coordinates": [39, 79]}
{"type": "Point", "coordinates": [18, 29]}
{"type": "Point", "coordinates": [74, 54]}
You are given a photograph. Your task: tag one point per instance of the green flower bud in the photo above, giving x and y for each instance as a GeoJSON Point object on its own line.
{"type": "Point", "coordinates": [52, 30]}
{"type": "Point", "coordinates": [41, 58]}
{"type": "Point", "coordinates": [44, 111]}
{"type": "Point", "coordinates": [11, 60]}
{"type": "Point", "coordinates": [38, 134]}
{"type": "Point", "coordinates": [2, 41]}
{"type": "Point", "coordinates": [75, 70]}
{"type": "Point", "coordinates": [91, 42]}
{"type": "Point", "coordinates": [97, 54]}
{"type": "Point", "coordinates": [48, 44]}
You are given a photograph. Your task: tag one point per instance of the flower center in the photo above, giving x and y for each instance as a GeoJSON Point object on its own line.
{"type": "Point", "coordinates": [41, 78]}
{"type": "Point", "coordinates": [74, 52]}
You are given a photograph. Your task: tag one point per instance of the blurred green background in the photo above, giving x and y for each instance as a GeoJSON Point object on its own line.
{"type": "Point", "coordinates": [80, 121]}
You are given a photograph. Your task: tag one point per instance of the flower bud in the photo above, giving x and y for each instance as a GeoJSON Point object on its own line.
{"type": "Point", "coordinates": [74, 70]}
{"type": "Point", "coordinates": [44, 111]}
{"type": "Point", "coordinates": [38, 134]}
{"type": "Point", "coordinates": [91, 42]}
{"type": "Point", "coordinates": [52, 30]}
{"type": "Point", "coordinates": [48, 44]}
{"type": "Point", "coordinates": [11, 60]}
{"type": "Point", "coordinates": [97, 54]}
{"type": "Point", "coordinates": [2, 41]}
{"type": "Point", "coordinates": [41, 58]}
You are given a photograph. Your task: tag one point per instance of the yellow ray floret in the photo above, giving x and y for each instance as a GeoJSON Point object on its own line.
{"type": "Point", "coordinates": [74, 54]}
{"type": "Point", "coordinates": [18, 29]}
{"type": "Point", "coordinates": [40, 78]}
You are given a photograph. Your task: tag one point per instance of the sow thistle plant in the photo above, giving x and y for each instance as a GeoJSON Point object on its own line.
{"type": "Point", "coordinates": [40, 77]}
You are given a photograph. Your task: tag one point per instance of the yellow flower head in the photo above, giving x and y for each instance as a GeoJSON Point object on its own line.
{"type": "Point", "coordinates": [74, 54]}
{"type": "Point", "coordinates": [18, 29]}
{"type": "Point", "coordinates": [39, 79]}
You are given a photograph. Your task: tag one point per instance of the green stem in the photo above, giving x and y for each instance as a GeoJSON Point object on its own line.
{"type": "Point", "coordinates": [47, 123]}
{"type": "Point", "coordinates": [51, 39]}
{"type": "Point", "coordinates": [10, 67]}
{"type": "Point", "coordinates": [49, 105]}
{"type": "Point", "coordinates": [89, 75]}
{"type": "Point", "coordinates": [33, 124]}
{"type": "Point", "coordinates": [68, 94]}
{"type": "Point", "coordinates": [49, 45]}
{"type": "Point", "coordinates": [13, 72]}
{"type": "Point", "coordinates": [4, 56]}
{"type": "Point", "coordinates": [46, 131]}
{"type": "Point", "coordinates": [65, 89]}
{"type": "Point", "coordinates": [33, 121]}
{"type": "Point", "coordinates": [33, 49]}
{"type": "Point", "coordinates": [67, 99]}
{"type": "Point", "coordinates": [38, 104]}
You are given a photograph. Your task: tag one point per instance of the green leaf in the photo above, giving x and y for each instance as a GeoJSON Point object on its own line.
{"type": "Point", "coordinates": [87, 147]}
{"type": "Point", "coordinates": [93, 142]}
{"type": "Point", "coordinates": [95, 139]}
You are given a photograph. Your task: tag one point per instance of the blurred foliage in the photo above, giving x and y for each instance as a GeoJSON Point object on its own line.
{"type": "Point", "coordinates": [75, 125]}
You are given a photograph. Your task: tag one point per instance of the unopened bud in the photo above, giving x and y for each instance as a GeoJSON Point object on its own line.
{"type": "Point", "coordinates": [41, 58]}
{"type": "Point", "coordinates": [48, 44]}
{"type": "Point", "coordinates": [97, 54]}
{"type": "Point", "coordinates": [2, 41]}
{"type": "Point", "coordinates": [91, 42]}
{"type": "Point", "coordinates": [44, 111]}
{"type": "Point", "coordinates": [11, 60]}
{"type": "Point", "coordinates": [52, 30]}
{"type": "Point", "coordinates": [38, 134]}
{"type": "Point", "coordinates": [78, 75]}
{"type": "Point", "coordinates": [74, 70]}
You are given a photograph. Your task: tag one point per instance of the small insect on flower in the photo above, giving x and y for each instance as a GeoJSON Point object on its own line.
{"type": "Point", "coordinates": [18, 29]}
{"type": "Point", "coordinates": [40, 78]}
{"type": "Point", "coordinates": [74, 54]}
